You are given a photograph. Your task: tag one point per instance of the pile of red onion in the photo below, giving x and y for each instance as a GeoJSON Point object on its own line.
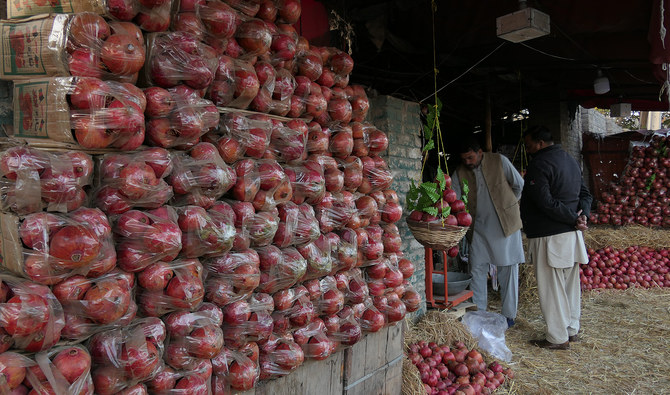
{"type": "Point", "coordinates": [625, 268]}
{"type": "Point", "coordinates": [640, 196]}
{"type": "Point", "coordinates": [456, 370]}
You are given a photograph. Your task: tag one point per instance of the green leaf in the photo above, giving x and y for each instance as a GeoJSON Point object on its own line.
{"type": "Point", "coordinates": [430, 119]}
{"type": "Point", "coordinates": [424, 201]}
{"type": "Point", "coordinates": [650, 181]}
{"type": "Point", "coordinates": [430, 210]}
{"type": "Point", "coordinates": [429, 146]}
{"type": "Point", "coordinates": [430, 190]}
{"type": "Point", "coordinates": [439, 104]}
{"type": "Point", "coordinates": [446, 211]}
{"type": "Point", "coordinates": [465, 191]}
{"type": "Point", "coordinates": [427, 132]}
{"type": "Point", "coordinates": [440, 179]}
{"type": "Point", "coordinates": [412, 197]}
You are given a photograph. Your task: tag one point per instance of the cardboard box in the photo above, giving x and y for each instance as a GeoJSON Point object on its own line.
{"type": "Point", "coordinates": [41, 110]}
{"type": "Point", "coordinates": [34, 47]}
{"type": "Point", "coordinates": [26, 8]}
{"type": "Point", "coordinates": [11, 248]}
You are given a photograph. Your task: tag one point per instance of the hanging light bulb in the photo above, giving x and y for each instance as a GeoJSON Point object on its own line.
{"type": "Point", "coordinates": [601, 84]}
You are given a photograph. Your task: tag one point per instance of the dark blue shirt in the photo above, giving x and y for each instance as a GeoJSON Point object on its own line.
{"type": "Point", "coordinates": [553, 193]}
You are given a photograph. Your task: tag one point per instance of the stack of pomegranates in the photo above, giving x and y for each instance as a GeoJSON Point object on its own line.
{"type": "Point", "coordinates": [189, 248]}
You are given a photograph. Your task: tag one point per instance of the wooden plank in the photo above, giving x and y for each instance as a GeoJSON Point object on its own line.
{"type": "Point", "coordinates": [355, 358]}
{"type": "Point", "coordinates": [312, 377]}
{"type": "Point", "coordinates": [387, 379]}
{"type": "Point", "coordinates": [394, 341]}
{"type": "Point", "coordinates": [372, 385]}
{"type": "Point", "coordinates": [366, 366]}
{"type": "Point", "coordinates": [461, 309]}
{"type": "Point", "coordinates": [393, 381]}
{"type": "Point", "coordinates": [375, 351]}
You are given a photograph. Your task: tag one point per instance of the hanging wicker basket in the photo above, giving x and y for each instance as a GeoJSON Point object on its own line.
{"type": "Point", "coordinates": [435, 235]}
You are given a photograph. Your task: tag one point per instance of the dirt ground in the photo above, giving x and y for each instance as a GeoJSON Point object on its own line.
{"type": "Point", "coordinates": [624, 349]}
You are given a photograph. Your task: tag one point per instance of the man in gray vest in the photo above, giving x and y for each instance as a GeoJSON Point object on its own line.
{"type": "Point", "coordinates": [494, 237]}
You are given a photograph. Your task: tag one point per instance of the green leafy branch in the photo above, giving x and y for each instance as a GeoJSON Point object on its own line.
{"type": "Point", "coordinates": [426, 196]}
{"type": "Point", "coordinates": [650, 182]}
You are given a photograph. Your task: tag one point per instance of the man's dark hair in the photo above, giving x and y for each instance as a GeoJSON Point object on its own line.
{"type": "Point", "coordinates": [540, 133]}
{"type": "Point", "coordinates": [469, 143]}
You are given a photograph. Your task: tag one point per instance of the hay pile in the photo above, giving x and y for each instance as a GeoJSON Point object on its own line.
{"type": "Point", "coordinates": [625, 236]}
{"type": "Point", "coordinates": [441, 328]}
{"type": "Point", "coordinates": [624, 347]}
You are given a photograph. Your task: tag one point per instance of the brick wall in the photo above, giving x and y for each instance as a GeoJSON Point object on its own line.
{"type": "Point", "coordinates": [401, 122]}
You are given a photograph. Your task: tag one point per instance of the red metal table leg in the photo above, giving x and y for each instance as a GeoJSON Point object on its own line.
{"type": "Point", "coordinates": [445, 302]}
{"type": "Point", "coordinates": [429, 276]}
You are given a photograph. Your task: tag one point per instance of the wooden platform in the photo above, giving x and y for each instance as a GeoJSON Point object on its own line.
{"type": "Point", "coordinates": [373, 366]}
{"type": "Point", "coordinates": [460, 310]}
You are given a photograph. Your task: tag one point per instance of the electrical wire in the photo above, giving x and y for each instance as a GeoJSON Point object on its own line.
{"type": "Point", "coordinates": [547, 54]}
{"type": "Point", "coordinates": [463, 73]}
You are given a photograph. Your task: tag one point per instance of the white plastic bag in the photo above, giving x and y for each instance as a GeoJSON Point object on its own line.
{"type": "Point", "coordinates": [489, 330]}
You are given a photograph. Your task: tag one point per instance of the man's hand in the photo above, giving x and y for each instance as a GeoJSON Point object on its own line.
{"type": "Point", "coordinates": [581, 221]}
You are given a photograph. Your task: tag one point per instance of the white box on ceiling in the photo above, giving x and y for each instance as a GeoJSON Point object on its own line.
{"type": "Point", "coordinates": [522, 25]}
{"type": "Point", "coordinates": [620, 110]}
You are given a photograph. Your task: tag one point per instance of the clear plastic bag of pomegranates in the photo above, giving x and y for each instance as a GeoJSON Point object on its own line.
{"type": "Point", "coordinates": [233, 370]}
{"type": "Point", "coordinates": [334, 211]}
{"type": "Point", "coordinates": [344, 249]}
{"type": "Point", "coordinates": [200, 176]}
{"type": "Point", "coordinates": [235, 83]}
{"type": "Point", "coordinates": [314, 340]}
{"type": "Point", "coordinates": [292, 308]}
{"type": "Point", "coordinates": [110, 51]}
{"type": "Point", "coordinates": [15, 368]}
{"type": "Point", "coordinates": [343, 327]}
{"type": "Point", "coordinates": [248, 320]}
{"type": "Point", "coordinates": [241, 135]}
{"type": "Point", "coordinates": [31, 318]}
{"type": "Point", "coordinates": [192, 336]}
{"type": "Point", "coordinates": [125, 357]}
{"type": "Point", "coordinates": [232, 276]}
{"type": "Point", "coordinates": [90, 304]}
{"type": "Point", "coordinates": [279, 356]}
{"type": "Point", "coordinates": [318, 256]}
{"type": "Point", "coordinates": [275, 187]}
{"type": "Point", "coordinates": [62, 370]}
{"type": "Point", "coordinates": [308, 183]}
{"type": "Point", "coordinates": [146, 237]}
{"type": "Point", "coordinates": [56, 246]}
{"type": "Point", "coordinates": [288, 141]}
{"type": "Point", "coordinates": [168, 286]}
{"type": "Point", "coordinates": [192, 380]}
{"type": "Point", "coordinates": [33, 180]}
{"type": "Point", "coordinates": [178, 116]}
{"type": "Point", "coordinates": [129, 180]}
{"type": "Point", "coordinates": [280, 268]}
{"type": "Point", "coordinates": [206, 233]}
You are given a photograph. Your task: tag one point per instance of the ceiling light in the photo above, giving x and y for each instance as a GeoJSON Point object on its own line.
{"type": "Point", "coordinates": [601, 84]}
{"type": "Point", "coordinates": [523, 25]}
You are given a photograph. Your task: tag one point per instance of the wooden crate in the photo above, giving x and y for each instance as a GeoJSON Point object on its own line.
{"type": "Point", "coordinates": [370, 367]}
{"type": "Point", "coordinates": [374, 365]}
{"type": "Point", "coordinates": [312, 377]}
